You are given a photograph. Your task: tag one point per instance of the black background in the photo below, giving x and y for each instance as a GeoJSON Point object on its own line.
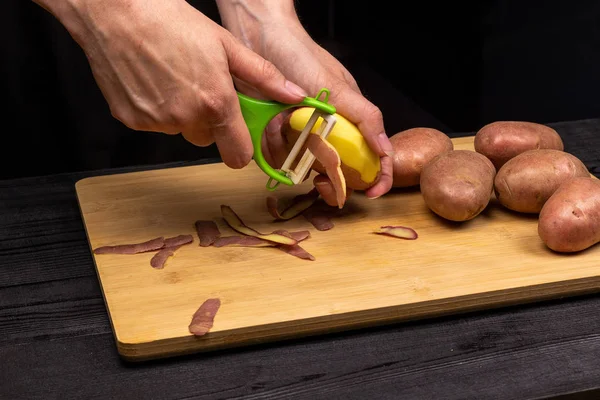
{"type": "Point", "coordinates": [450, 65]}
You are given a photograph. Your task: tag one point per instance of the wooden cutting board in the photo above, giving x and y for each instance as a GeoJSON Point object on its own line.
{"type": "Point", "coordinates": [359, 279]}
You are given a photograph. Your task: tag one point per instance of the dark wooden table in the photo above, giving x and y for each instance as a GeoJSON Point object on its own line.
{"type": "Point", "coordinates": [56, 340]}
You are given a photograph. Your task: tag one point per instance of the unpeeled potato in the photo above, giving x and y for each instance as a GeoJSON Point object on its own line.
{"type": "Point", "coordinates": [526, 181]}
{"type": "Point", "coordinates": [457, 185]}
{"type": "Point", "coordinates": [570, 220]}
{"type": "Point", "coordinates": [502, 140]}
{"type": "Point", "coordinates": [413, 148]}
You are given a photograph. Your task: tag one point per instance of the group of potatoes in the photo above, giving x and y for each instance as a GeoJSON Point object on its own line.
{"type": "Point", "coordinates": [523, 164]}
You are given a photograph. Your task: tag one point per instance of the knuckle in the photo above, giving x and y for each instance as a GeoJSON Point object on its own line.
{"type": "Point", "coordinates": [120, 115]}
{"type": "Point", "coordinates": [175, 116]}
{"type": "Point", "coordinates": [128, 119]}
{"type": "Point", "coordinates": [269, 70]}
{"type": "Point", "coordinates": [215, 109]}
{"type": "Point", "coordinates": [373, 112]}
{"type": "Point", "coordinates": [198, 137]}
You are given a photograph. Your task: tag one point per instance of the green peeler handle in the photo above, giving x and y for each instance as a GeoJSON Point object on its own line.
{"type": "Point", "coordinates": [257, 115]}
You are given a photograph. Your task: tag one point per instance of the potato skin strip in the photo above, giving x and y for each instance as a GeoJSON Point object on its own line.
{"type": "Point", "coordinates": [402, 232]}
{"type": "Point", "coordinates": [203, 318]}
{"type": "Point", "coordinates": [328, 156]}
{"type": "Point", "coordinates": [132, 248]}
{"type": "Point", "coordinates": [236, 223]}
{"type": "Point", "coordinates": [207, 231]}
{"type": "Point", "coordinates": [295, 207]}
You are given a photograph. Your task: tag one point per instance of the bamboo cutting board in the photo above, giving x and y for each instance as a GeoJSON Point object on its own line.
{"type": "Point", "coordinates": [358, 279]}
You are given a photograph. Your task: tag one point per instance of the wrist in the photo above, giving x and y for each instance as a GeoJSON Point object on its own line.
{"type": "Point", "coordinates": [252, 21]}
{"type": "Point", "coordinates": [81, 17]}
{"type": "Point", "coordinates": [270, 10]}
{"type": "Point", "coordinates": [62, 10]}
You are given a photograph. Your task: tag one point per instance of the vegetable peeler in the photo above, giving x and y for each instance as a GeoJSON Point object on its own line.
{"type": "Point", "coordinates": [257, 115]}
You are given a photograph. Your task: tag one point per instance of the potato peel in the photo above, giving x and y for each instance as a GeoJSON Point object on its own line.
{"type": "Point", "coordinates": [319, 215]}
{"type": "Point", "coordinates": [253, 241]}
{"type": "Point", "coordinates": [328, 156]}
{"type": "Point", "coordinates": [132, 248]}
{"type": "Point", "coordinates": [242, 241]}
{"type": "Point", "coordinates": [172, 244]}
{"type": "Point", "coordinates": [235, 222]}
{"type": "Point", "coordinates": [203, 318]}
{"type": "Point", "coordinates": [402, 232]}
{"type": "Point", "coordinates": [207, 231]}
{"type": "Point", "coordinates": [159, 259]}
{"type": "Point", "coordinates": [296, 206]}
{"type": "Point", "coordinates": [296, 250]}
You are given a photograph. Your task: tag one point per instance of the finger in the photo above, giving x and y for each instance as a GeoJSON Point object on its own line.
{"type": "Point", "coordinates": [221, 121]}
{"type": "Point", "coordinates": [233, 138]}
{"type": "Point", "coordinates": [198, 136]}
{"type": "Point", "coordinates": [367, 117]}
{"type": "Point", "coordinates": [351, 81]}
{"type": "Point", "coordinates": [267, 151]}
{"type": "Point", "coordinates": [276, 142]}
{"type": "Point", "coordinates": [247, 89]}
{"type": "Point", "coordinates": [384, 184]}
{"type": "Point", "coordinates": [327, 191]}
{"type": "Point", "coordinates": [260, 73]}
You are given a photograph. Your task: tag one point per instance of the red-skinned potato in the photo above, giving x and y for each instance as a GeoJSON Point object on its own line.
{"type": "Point", "coordinates": [413, 148]}
{"type": "Point", "coordinates": [360, 165]}
{"type": "Point", "coordinates": [570, 219]}
{"type": "Point", "coordinates": [502, 140]}
{"type": "Point", "coordinates": [526, 181]}
{"type": "Point", "coordinates": [458, 185]}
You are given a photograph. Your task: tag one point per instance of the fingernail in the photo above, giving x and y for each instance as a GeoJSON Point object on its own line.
{"type": "Point", "coordinates": [321, 183]}
{"type": "Point", "coordinates": [295, 89]}
{"type": "Point", "coordinates": [385, 144]}
{"type": "Point", "coordinates": [373, 198]}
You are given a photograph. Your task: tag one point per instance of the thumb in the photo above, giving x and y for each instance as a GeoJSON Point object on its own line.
{"type": "Point", "coordinates": [248, 66]}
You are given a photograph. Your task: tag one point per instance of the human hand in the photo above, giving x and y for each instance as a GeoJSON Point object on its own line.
{"type": "Point", "coordinates": [272, 29]}
{"type": "Point", "coordinates": [163, 66]}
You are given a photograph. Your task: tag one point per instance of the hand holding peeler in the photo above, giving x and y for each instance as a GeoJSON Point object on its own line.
{"type": "Point", "coordinates": [257, 115]}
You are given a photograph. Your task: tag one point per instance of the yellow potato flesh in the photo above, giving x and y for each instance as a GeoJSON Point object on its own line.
{"type": "Point", "coordinates": [347, 140]}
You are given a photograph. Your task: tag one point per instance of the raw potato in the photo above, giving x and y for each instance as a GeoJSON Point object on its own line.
{"type": "Point", "coordinates": [360, 165]}
{"type": "Point", "coordinates": [570, 219]}
{"type": "Point", "coordinates": [413, 149]}
{"type": "Point", "coordinates": [502, 140]}
{"type": "Point", "coordinates": [526, 181]}
{"type": "Point", "coordinates": [458, 185]}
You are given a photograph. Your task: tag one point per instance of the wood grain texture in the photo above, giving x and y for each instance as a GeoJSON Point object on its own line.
{"type": "Point", "coordinates": [536, 351]}
{"type": "Point", "coordinates": [358, 279]}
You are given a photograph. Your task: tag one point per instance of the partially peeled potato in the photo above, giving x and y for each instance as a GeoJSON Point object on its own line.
{"type": "Point", "coordinates": [361, 166]}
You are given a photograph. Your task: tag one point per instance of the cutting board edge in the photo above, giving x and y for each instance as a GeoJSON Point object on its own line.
{"type": "Point", "coordinates": [96, 269]}
{"type": "Point", "coordinates": [95, 178]}
{"type": "Point", "coordinates": [352, 321]}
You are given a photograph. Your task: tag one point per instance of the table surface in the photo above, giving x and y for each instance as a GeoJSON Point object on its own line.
{"type": "Point", "coordinates": [56, 339]}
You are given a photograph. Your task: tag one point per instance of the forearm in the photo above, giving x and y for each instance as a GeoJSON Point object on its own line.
{"type": "Point", "coordinates": [82, 17]}
{"type": "Point", "coordinates": [250, 20]}
{"type": "Point", "coordinates": [61, 9]}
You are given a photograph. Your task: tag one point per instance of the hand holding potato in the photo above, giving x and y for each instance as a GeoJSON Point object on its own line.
{"type": "Point", "coordinates": [273, 30]}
